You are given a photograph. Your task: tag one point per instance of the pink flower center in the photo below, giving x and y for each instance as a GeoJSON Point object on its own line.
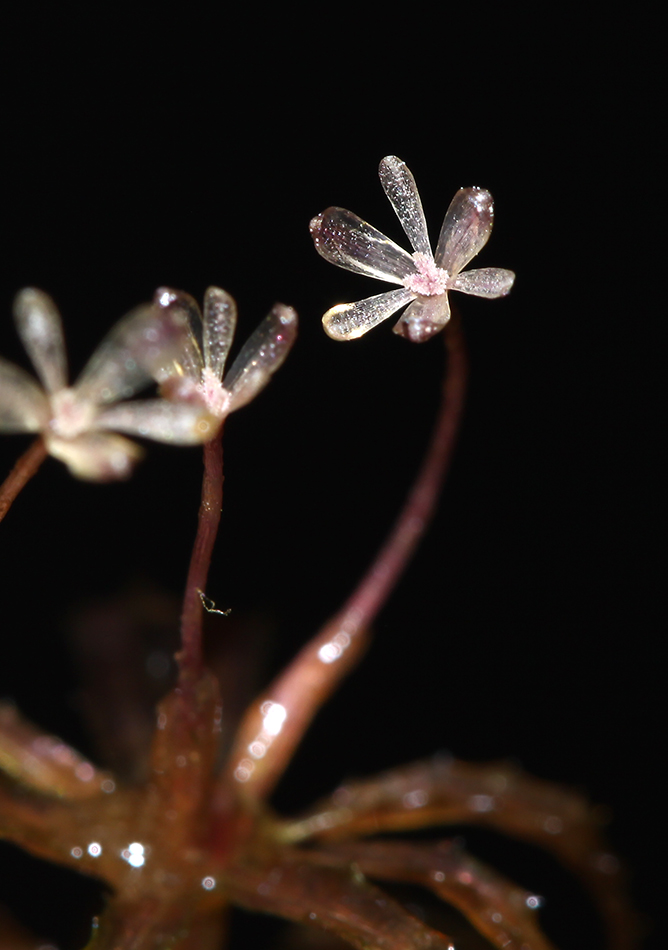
{"type": "Point", "coordinates": [430, 280]}
{"type": "Point", "coordinates": [214, 394]}
{"type": "Point", "coordinates": [70, 416]}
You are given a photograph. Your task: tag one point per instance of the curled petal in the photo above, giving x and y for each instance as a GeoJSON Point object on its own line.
{"type": "Point", "coordinates": [466, 229]}
{"type": "Point", "coordinates": [399, 186]}
{"type": "Point", "coordinates": [485, 282]}
{"type": "Point", "coordinates": [345, 240]}
{"type": "Point", "coordinates": [182, 357]}
{"type": "Point", "coordinates": [40, 328]}
{"type": "Point", "coordinates": [347, 321]}
{"type": "Point", "coordinates": [261, 355]}
{"type": "Point", "coordinates": [149, 340]}
{"type": "Point", "coordinates": [425, 317]}
{"type": "Point", "coordinates": [218, 325]}
{"type": "Point", "coordinates": [173, 422]}
{"type": "Point", "coordinates": [23, 405]}
{"type": "Point", "coordinates": [96, 456]}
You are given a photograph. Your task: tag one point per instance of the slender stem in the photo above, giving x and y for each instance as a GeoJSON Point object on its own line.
{"type": "Point", "coordinates": [22, 472]}
{"type": "Point", "coordinates": [190, 656]}
{"type": "Point", "coordinates": [274, 724]}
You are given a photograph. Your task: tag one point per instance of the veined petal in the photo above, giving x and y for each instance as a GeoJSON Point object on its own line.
{"type": "Point", "coordinates": [40, 328]}
{"type": "Point", "coordinates": [425, 317]}
{"type": "Point", "coordinates": [183, 357]}
{"type": "Point", "coordinates": [150, 339]}
{"type": "Point", "coordinates": [347, 321]}
{"type": "Point", "coordinates": [96, 456]}
{"type": "Point", "coordinates": [466, 229]}
{"type": "Point", "coordinates": [345, 240]}
{"type": "Point", "coordinates": [485, 282]}
{"type": "Point", "coordinates": [219, 323]}
{"type": "Point", "coordinates": [173, 422]}
{"type": "Point", "coordinates": [399, 186]}
{"type": "Point", "coordinates": [261, 355]}
{"type": "Point", "coordinates": [23, 405]}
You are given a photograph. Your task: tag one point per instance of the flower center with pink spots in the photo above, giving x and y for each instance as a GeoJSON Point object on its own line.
{"type": "Point", "coordinates": [430, 280]}
{"type": "Point", "coordinates": [214, 394]}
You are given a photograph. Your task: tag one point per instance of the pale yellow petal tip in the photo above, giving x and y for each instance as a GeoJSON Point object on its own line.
{"type": "Point", "coordinates": [333, 330]}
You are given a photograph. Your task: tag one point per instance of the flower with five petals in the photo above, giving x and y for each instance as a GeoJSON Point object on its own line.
{"type": "Point", "coordinates": [195, 373]}
{"type": "Point", "coordinates": [425, 278]}
{"type": "Point", "coordinates": [78, 423]}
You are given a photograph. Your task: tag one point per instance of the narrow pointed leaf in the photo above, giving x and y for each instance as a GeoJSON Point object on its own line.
{"type": "Point", "coordinates": [499, 909]}
{"type": "Point", "coordinates": [335, 900]}
{"type": "Point", "coordinates": [400, 188]}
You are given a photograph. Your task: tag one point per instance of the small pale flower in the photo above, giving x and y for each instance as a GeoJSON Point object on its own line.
{"type": "Point", "coordinates": [196, 373]}
{"type": "Point", "coordinates": [424, 277]}
{"type": "Point", "coordinates": [75, 420]}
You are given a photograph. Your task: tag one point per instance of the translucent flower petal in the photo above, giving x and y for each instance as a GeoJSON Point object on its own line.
{"type": "Point", "coordinates": [345, 240]}
{"type": "Point", "coordinates": [173, 422]}
{"type": "Point", "coordinates": [347, 321]}
{"type": "Point", "coordinates": [150, 339]}
{"type": "Point", "coordinates": [485, 282]}
{"type": "Point", "coordinates": [261, 355]}
{"type": "Point", "coordinates": [23, 405]}
{"type": "Point", "coordinates": [96, 456]}
{"type": "Point", "coordinates": [466, 229]}
{"type": "Point", "coordinates": [40, 328]}
{"type": "Point", "coordinates": [400, 188]}
{"type": "Point", "coordinates": [425, 317]}
{"type": "Point", "coordinates": [183, 356]}
{"type": "Point", "coordinates": [218, 325]}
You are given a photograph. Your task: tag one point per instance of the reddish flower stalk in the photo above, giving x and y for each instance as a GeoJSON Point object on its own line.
{"type": "Point", "coordinates": [190, 656]}
{"type": "Point", "coordinates": [274, 725]}
{"type": "Point", "coordinates": [21, 474]}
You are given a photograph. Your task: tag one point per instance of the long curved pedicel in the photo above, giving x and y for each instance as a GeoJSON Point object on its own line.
{"type": "Point", "coordinates": [347, 241]}
{"type": "Point", "coordinates": [500, 910]}
{"type": "Point", "coordinates": [218, 325]}
{"type": "Point", "coordinates": [261, 356]}
{"type": "Point", "coordinates": [399, 186]}
{"type": "Point", "coordinates": [485, 282]}
{"type": "Point", "coordinates": [335, 900]}
{"type": "Point", "coordinates": [172, 422]}
{"type": "Point", "coordinates": [347, 321]}
{"type": "Point", "coordinates": [23, 405]}
{"type": "Point", "coordinates": [40, 328]}
{"type": "Point", "coordinates": [466, 229]}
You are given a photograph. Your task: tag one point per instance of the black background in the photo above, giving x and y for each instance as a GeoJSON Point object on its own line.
{"type": "Point", "coordinates": [149, 148]}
